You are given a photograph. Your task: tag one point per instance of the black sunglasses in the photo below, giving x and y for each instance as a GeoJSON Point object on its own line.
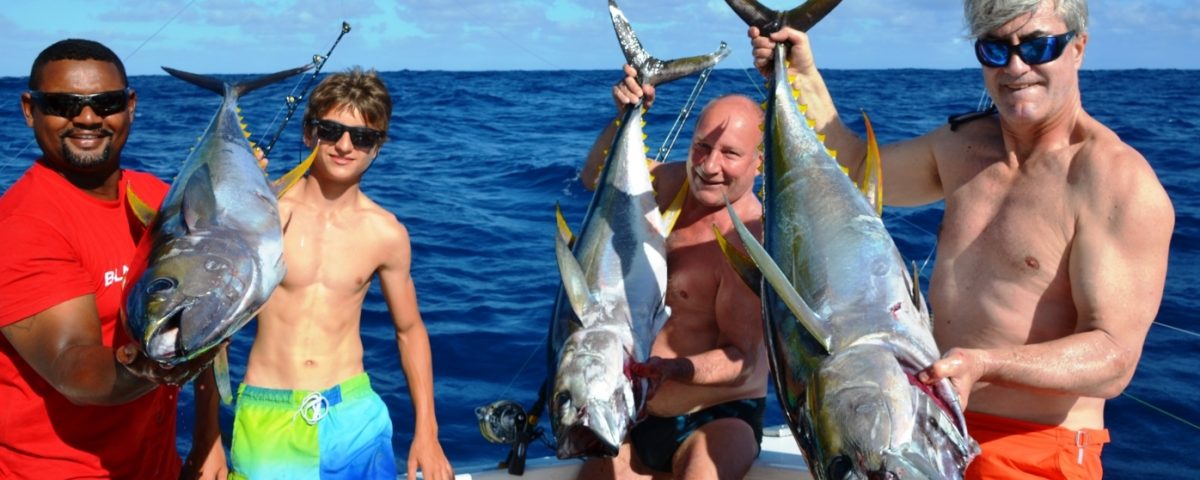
{"type": "Point", "coordinates": [362, 137]}
{"type": "Point", "coordinates": [1035, 51]}
{"type": "Point", "coordinates": [69, 105]}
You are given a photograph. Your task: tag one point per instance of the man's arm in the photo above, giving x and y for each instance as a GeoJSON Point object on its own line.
{"type": "Point", "coordinates": [1117, 267]}
{"type": "Point", "coordinates": [415, 357]}
{"type": "Point", "coordinates": [63, 344]}
{"type": "Point", "coordinates": [626, 92]}
{"type": "Point", "coordinates": [206, 460]}
{"type": "Point", "coordinates": [910, 173]}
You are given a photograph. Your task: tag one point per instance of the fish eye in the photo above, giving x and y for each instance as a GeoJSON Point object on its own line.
{"type": "Point", "coordinates": [562, 399]}
{"type": "Point", "coordinates": [160, 285]}
{"type": "Point", "coordinates": [213, 264]}
{"type": "Point", "coordinates": [839, 467]}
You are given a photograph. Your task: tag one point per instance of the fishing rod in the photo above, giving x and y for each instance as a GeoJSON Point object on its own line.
{"type": "Point", "coordinates": [677, 128]}
{"type": "Point", "coordinates": [293, 100]}
{"type": "Point", "coordinates": [505, 422]}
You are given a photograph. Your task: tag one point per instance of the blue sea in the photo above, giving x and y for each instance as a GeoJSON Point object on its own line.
{"type": "Point", "coordinates": [477, 160]}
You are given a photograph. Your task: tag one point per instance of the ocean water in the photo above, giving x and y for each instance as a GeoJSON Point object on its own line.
{"type": "Point", "coordinates": [477, 160]}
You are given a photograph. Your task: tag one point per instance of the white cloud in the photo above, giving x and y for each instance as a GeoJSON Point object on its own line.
{"type": "Point", "coordinates": [243, 36]}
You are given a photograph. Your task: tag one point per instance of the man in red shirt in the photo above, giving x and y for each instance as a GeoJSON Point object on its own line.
{"type": "Point", "coordinates": [73, 403]}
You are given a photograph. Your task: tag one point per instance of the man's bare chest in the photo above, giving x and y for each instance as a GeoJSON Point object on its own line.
{"type": "Point", "coordinates": [692, 278]}
{"type": "Point", "coordinates": [332, 256]}
{"type": "Point", "coordinates": [1011, 226]}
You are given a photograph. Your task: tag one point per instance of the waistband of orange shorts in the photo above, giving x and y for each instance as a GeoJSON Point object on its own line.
{"type": "Point", "coordinates": [998, 426]}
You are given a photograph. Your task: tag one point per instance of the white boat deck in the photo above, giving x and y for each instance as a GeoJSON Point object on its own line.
{"type": "Point", "coordinates": [780, 459]}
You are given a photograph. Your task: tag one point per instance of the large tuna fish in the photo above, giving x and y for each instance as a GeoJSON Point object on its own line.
{"type": "Point", "coordinates": [612, 303]}
{"type": "Point", "coordinates": [847, 328]}
{"type": "Point", "coordinates": [213, 252]}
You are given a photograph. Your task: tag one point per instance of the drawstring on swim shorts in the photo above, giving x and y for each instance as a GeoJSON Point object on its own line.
{"type": "Point", "coordinates": [313, 408]}
{"type": "Point", "coordinates": [1080, 441]}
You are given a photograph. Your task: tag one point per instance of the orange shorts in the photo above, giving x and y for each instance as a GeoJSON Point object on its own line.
{"type": "Point", "coordinates": [1015, 449]}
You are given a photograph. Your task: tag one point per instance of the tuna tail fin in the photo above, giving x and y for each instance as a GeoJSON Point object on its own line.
{"type": "Point", "coordinates": [652, 71]}
{"type": "Point", "coordinates": [741, 263]}
{"type": "Point", "coordinates": [217, 86]}
{"type": "Point", "coordinates": [778, 281]}
{"type": "Point", "coordinates": [770, 21]}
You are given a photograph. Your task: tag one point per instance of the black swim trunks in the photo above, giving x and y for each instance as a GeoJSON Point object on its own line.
{"type": "Point", "coordinates": [656, 439]}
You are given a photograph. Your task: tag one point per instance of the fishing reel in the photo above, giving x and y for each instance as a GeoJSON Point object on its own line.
{"type": "Point", "coordinates": [504, 422]}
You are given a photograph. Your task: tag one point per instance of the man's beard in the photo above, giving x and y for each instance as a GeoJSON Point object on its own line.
{"type": "Point", "coordinates": [86, 161]}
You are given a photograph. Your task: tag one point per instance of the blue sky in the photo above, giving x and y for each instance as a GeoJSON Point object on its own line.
{"type": "Point", "coordinates": [248, 36]}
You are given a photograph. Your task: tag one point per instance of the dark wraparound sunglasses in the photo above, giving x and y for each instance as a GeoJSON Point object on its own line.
{"type": "Point", "coordinates": [1035, 51]}
{"type": "Point", "coordinates": [362, 137]}
{"type": "Point", "coordinates": [69, 105]}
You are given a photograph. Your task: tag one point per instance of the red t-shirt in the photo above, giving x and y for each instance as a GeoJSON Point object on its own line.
{"type": "Point", "coordinates": [59, 243]}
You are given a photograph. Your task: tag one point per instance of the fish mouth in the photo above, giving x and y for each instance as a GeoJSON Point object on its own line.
{"type": "Point", "coordinates": [581, 440]}
{"type": "Point", "coordinates": [163, 342]}
{"type": "Point", "coordinates": [941, 394]}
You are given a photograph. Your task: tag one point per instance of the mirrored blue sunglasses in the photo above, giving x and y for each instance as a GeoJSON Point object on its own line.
{"type": "Point", "coordinates": [1035, 51]}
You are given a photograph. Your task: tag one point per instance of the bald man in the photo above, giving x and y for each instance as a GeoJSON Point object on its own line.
{"type": "Point", "coordinates": [708, 363]}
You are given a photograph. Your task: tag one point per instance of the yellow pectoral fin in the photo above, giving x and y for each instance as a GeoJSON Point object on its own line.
{"type": "Point", "coordinates": [872, 174]}
{"type": "Point", "coordinates": [289, 180]}
{"type": "Point", "coordinates": [140, 208]}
